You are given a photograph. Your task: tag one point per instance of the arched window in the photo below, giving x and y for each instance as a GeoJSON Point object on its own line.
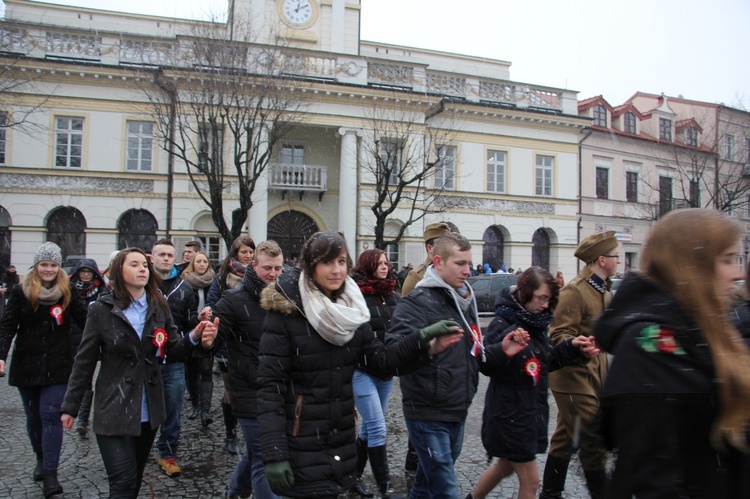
{"type": "Point", "coordinates": [136, 228]}
{"type": "Point", "coordinates": [494, 247]}
{"type": "Point", "coordinates": [66, 227]}
{"type": "Point", "coordinates": [5, 223]}
{"type": "Point", "coordinates": [540, 250]}
{"type": "Point", "coordinates": [291, 229]}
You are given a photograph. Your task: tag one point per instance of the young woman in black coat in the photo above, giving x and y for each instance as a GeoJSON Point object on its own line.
{"type": "Point", "coordinates": [129, 331]}
{"type": "Point", "coordinates": [40, 315]}
{"type": "Point", "coordinates": [516, 414]}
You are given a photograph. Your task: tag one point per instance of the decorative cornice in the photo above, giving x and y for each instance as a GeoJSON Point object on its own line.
{"type": "Point", "coordinates": [67, 183]}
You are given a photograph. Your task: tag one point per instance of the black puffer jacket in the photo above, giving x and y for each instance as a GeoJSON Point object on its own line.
{"type": "Point", "coordinates": [183, 302]}
{"type": "Point", "coordinates": [42, 355]}
{"type": "Point", "coordinates": [660, 400]}
{"type": "Point", "coordinates": [381, 307]}
{"type": "Point", "coordinates": [516, 414]}
{"type": "Point", "coordinates": [240, 328]}
{"type": "Point", "coordinates": [305, 398]}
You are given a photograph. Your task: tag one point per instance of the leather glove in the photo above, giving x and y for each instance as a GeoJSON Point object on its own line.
{"type": "Point", "coordinates": [439, 328]}
{"type": "Point", "coordinates": [280, 475]}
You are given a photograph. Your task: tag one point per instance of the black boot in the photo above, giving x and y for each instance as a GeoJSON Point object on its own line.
{"type": "Point", "coordinates": [84, 413]}
{"type": "Point", "coordinates": [207, 391]}
{"type": "Point", "coordinates": [230, 422]}
{"type": "Point", "coordinates": [194, 391]}
{"type": "Point", "coordinates": [555, 472]}
{"type": "Point", "coordinates": [38, 470]}
{"type": "Point", "coordinates": [412, 459]}
{"type": "Point", "coordinates": [361, 488]}
{"type": "Point", "coordinates": [50, 484]}
{"type": "Point", "coordinates": [379, 465]}
{"type": "Point", "coordinates": [597, 482]}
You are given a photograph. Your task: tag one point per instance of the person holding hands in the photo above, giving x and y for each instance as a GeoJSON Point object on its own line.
{"type": "Point", "coordinates": [130, 331]}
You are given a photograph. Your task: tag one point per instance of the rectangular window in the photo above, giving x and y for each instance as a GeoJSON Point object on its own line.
{"type": "Point", "coordinates": [445, 170]}
{"type": "Point", "coordinates": [393, 257]}
{"type": "Point", "coordinates": [691, 136]}
{"type": "Point", "coordinates": [210, 147]}
{"type": "Point", "coordinates": [293, 154]}
{"type": "Point", "coordinates": [3, 136]}
{"type": "Point", "coordinates": [390, 161]}
{"type": "Point", "coordinates": [665, 129]}
{"type": "Point", "coordinates": [631, 187]}
{"type": "Point", "coordinates": [140, 146]}
{"type": "Point", "coordinates": [695, 194]}
{"type": "Point", "coordinates": [630, 122]}
{"type": "Point", "coordinates": [544, 166]}
{"type": "Point", "coordinates": [602, 182]}
{"type": "Point", "coordinates": [496, 171]}
{"type": "Point", "coordinates": [665, 195]}
{"type": "Point", "coordinates": [69, 142]}
{"type": "Point", "coordinates": [729, 147]}
{"type": "Point", "coordinates": [600, 116]}
{"type": "Point", "coordinates": [212, 244]}
{"type": "Point", "coordinates": [630, 260]}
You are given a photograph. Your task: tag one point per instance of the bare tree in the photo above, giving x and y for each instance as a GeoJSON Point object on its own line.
{"type": "Point", "coordinates": [221, 110]}
{"type": "Point", "coordinates": [408, 164]}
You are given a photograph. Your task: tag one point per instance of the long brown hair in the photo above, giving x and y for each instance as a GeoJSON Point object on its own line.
{"type": "Point", "coordinates": [32, 284]}
{"type": "Point", "coordinates": [236, 245]}
{"type": "Point", "coordinates": [323, 246]}
{"type": "Point", "coordinates": [683, 261]}
{"type": "Point", "coordinates": [190, 269]}
{"type": "Point", "coordinates": [120, 291]}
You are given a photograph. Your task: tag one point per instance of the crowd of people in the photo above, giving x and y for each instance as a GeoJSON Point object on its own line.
{"type": "Point", "coordinates": [655, 376]}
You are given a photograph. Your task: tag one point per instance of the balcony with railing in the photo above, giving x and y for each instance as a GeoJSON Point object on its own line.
{"type": "Point", "coordinates": [287, 177]}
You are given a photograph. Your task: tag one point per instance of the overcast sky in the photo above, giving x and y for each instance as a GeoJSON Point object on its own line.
{"type": "Point", "coordinates": [694, 48]}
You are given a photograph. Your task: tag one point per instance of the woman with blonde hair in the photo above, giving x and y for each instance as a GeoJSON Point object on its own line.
{"type": "Point", "coordinates": [40, 315]}
{"type": "Point", "coordinates": [676, 403]}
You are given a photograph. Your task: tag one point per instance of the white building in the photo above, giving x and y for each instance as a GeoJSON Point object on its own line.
{"type": "Point", "coordinates": [86, 169]}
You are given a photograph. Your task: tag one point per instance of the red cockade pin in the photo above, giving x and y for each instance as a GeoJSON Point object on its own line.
{"type": "Point", "coordinates": [160, 339]}
{"type": "Point", "coordinates": [532, 368]}
{"type": "Point", "coordinates": [57, 313]}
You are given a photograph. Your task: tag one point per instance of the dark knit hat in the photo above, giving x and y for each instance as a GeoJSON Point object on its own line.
{"type": "Point", "coordinates": [596, 245]}
{"type": "Point", "coordinates": [48, 252]}
{"type": "Point", "coordinates": [433, 231]}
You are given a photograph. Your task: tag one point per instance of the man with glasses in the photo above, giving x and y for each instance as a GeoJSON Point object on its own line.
{"type": "Point", "coordinates": [576, 387]}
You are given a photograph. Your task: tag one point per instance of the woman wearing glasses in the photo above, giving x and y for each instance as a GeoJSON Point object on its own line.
{"type": "Point", "coordinates": [514, 426]}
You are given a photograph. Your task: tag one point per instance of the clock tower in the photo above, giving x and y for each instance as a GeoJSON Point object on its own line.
{"type": "Point", "coordinates": [326, 25]}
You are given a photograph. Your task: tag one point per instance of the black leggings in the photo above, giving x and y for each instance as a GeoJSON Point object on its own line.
{"type": "Point", "coordinates": [125, 459]}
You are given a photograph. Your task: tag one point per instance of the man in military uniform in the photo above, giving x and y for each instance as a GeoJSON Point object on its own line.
{"type": "Point", "coordinates": [432, 232]}
{"type": "Point", "coordinates": [576, 387]}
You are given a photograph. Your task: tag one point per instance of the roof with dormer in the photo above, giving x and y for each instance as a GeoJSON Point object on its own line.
{"type": "Point", "coordinates": [623, 108]}
{"type": "Point", "coordinates": [593, 101]}
{"type": "Point", "coordinates": [683, 124]}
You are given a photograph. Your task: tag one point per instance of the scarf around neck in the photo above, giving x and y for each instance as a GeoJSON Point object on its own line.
{"type": "Point", "coordinates": [199, 281]}
{"type": "Point", "coordinates": [47, 296]}
{"type": "Point", "coordinates": [375, 287]}
{"type": "Point", "coordinates": [87, 291]}
{"type": "Point", "coordinates": [236, 273]}
{"type": "Point", "coordinates": [337, 321]}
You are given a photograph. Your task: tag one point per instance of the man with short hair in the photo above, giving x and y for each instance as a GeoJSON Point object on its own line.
{"type": "Point", "coordinates": [183, 303]}
{"type": "Point", "coordinates": [431, 233]}
{"type": "Point", "coordinates": [240, 326]}
{"type": "Point", "coordinates": [576, 386]}
{"type": "Point", "coordinates": [436, 394]}
{"type": "Point", "coordinates": [188, 252]}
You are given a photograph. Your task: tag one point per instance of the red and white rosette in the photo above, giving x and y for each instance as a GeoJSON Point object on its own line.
{"type": "Point", "coordinates": [56, 311]}
{"type": "Point", "coordinates": [533, 368]}
{"type": "Point", "coordinates": [159, 341]}
{"type": "Point", "coordinates": [476, 338]}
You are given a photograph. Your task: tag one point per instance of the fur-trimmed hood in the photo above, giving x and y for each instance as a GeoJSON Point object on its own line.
{"type": "Point", "coordinates": [284, 296]}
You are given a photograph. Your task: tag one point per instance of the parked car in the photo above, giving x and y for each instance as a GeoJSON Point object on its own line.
{"type": "Point", "coordinates": [616, 281]}
{"type": "Point", "coordinates": [486, 288]}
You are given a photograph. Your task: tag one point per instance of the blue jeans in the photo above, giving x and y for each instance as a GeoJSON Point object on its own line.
{"type": "Point", "coordinates": [42, 406]}
{"type": "Point", "coordinates": [438, 445]}
{"type": "Point", "coordinates": [371, 396]}
{"type": "Point", "coordinates": [173, 377]}
{"type": "Point", "coordinates": [250, 473]}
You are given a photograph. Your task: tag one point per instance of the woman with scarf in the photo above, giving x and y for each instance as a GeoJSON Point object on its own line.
{"type": "Point", "coordinates": [516, 415]}
{"type": "Point", "coordinates": [230, 276]}
{"type": "Point", "coordinates": [676, 402]}
{"type": "Point", "coordinates": [316, 333]}
{"type": "Point", "coordinates": [372, 392]}
{"type": "Point", "coordinates": [40, 315]}
{"type": "Point", "coordinates": [89, 284]}
{"type": "Point", "coordinates": [200, 275]}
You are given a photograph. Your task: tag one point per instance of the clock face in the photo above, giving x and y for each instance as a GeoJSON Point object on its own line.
{"type": "Point", "coordinates": [297, 12]}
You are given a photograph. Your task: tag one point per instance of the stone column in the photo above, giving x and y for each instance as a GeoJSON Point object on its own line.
{"type": "Point", "coordinates": [258, 214]}
{"type": "Point", "coordinates": [348, 187]}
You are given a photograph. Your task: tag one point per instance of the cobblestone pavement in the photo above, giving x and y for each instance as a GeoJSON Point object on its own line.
{"type": "Point", "coordinates": [207, 467]}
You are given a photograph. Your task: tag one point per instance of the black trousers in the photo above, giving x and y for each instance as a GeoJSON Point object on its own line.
{"type": "Point", "coordinates": [125, 459]}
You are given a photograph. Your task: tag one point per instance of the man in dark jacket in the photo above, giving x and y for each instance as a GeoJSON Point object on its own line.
{"type": "Point", "coordinates": [240, 326]}
{"type": "Point", "coordinates": [183, 303]}
{"type": "Point", "coordinates": [436, 395]}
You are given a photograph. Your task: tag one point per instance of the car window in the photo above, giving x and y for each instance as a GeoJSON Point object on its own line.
{"type": "Point", "coordinates": [479, 284]}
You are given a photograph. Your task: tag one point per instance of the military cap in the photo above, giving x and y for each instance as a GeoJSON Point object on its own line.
{"type": "Point", "coordinates": [596, 245]}
{"type": "Point", "coordinates": [433, 231]}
